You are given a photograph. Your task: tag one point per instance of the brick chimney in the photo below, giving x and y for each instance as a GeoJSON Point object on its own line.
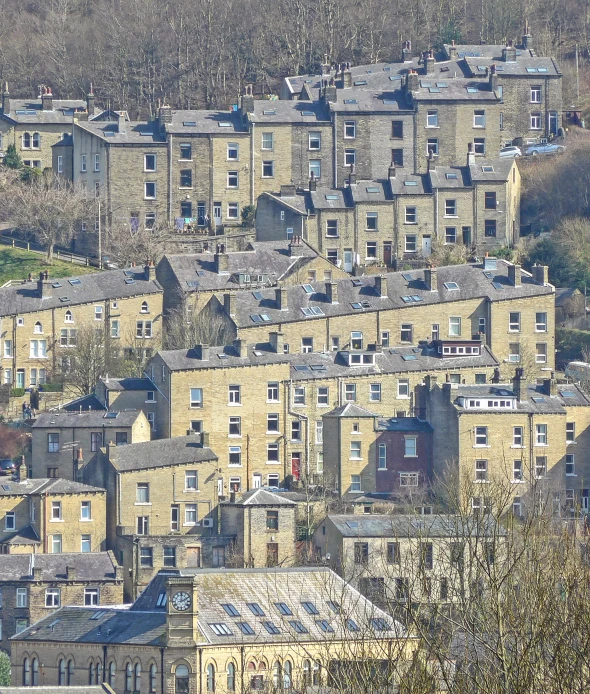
{"type": "Point", "coordinates": [281, 299]}
{"type": "Point", "coordinates": [221, 261]}
{"type": "Point", "coordinates": [527, 39]}
{"type": "Point", "coordinates": [22, 470]}
{"type": "Point", "coordinates": [452, 52]}
{"type": "Point", "coordinates": [470, 154]}
{"type": "Point", "coordinates": [149, 270]}
{"type": "Point", "coordinates": [407, 52]}
{"type": "Point", "coordinates": [332, 292]}
{"type": "Point", "coordinates": [429, 62]}
{"type": "Point", "coordinates": [412, 81]}
{"type": "Point", "coordinates": [520, 384]}
{"type": "Point", "coordinates": [247, 102]}
{"type": "Point", "coordinates": [509, 53]}
{"type": "Point", "coordinates": [277, 342]}
{"type": "Point", "coordinates": [121, 126]}
{"type": "Point", "coordinates": [296, 247]}
{"type": "Point", "coordinates": [70, 573]}
{"type": "Point", "coordinates": [550, 385]}
{"type": "Point", "coordinates": [352, 175]}
{"type": "Point", "coordinates": [347, 78]}
{"type": "Point", "coordinates": [90, 102]}
{"type": "Point", "coordinates": [430, 166]}
{"type": "Point", "coordinates": [5, 100]}
{"type": "Point", "coordinates": [229, 304]}
{"type": "Point", "coordinates": [430, 279]}
{"type": "Point", "coordinates": [43, 285]}
{"type": "Point", "coordinates": [381, 286]}
{"type": "Point", "coordinates": [514, 274]}
{"type": "Point", "coordinates": [541, 274]}
{"type": "Point", "coordinates": [79, 464]}
{"type": "Point", "coordinates": [204, 350]}
{"type": "Point", "coordinates": [330, 92]}
{"type": "Point", "coordinates": [239, 347]}
{"type": "Point", "coordinates": [493, 80]}
{"type": "Point", "coordinates": [46, 99]}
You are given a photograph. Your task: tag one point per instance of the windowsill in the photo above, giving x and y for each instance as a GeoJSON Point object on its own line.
{"type": "Point", "coordinates": [451, 216]}
{"type": "Point", "coordinates": [272, 433]}
{"type": "Point", "coordinates": [189, 525]}
{"type": "Point", "coordinates": [185, 160]}
{"type": "Point", "coordinates": [323, 405]}
{"type": "Point", "coordinates": [356, 459]}
{"type": "Point", "coordinates": [273, 401]}
{"type": "Point", "coordinates": [481, 481]}
{"type": "Point", "coordinates": [415, 250]}
{"type": "Point", "coordinates": [541, 445]}
{"type": "Point", "coordinates": [432, 127]}
{"type": "Point", "coordinates": [149, 198]}
{"type": "Point", "coordinates": [273, 462]}
{"type": "Point", "coordinates": [410, 456]}
{"type": "Point", "coordinates": [403, 397]}
{"type": "Point", "coordinates": [515, 446]}
{"type": "Point", "coordinates": [234, 465]}
{"type": "Point", "coordinates": [381, 469]}
{"type": "Point", "coordinates": [194, 491]}
{"type": "Point", "coordinates": [571, 443]}
{"type": "Point", "coordinates": [56, 520]}
{"type": "Point", "coordinates": [294, 440]}
{"type": "Point", "coordinates": [267, 177]}
{"type": "Point", "coordinates": [86, 520]}
{"type": "Point", "coordinates": [332, 237]}
{"type": "Point", "coordinates": [234, 436]}
{"type": "Point", "coordinates": [481, 445]}
{"type": "Point", "coordinates": [150, 402]}
{"type": "Point", "coordinates": [570, 475]}
{"type": "Point", "coordinates": [142, 503]}
{"type": "Point", "coordinates": [518, 481]}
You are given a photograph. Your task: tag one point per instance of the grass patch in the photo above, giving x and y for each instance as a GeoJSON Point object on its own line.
{"type": "Point", "coordinates": [16, 264]}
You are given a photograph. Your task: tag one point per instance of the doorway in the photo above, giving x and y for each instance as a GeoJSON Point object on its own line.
{"type": "Point", "coordinates": [426, 245]}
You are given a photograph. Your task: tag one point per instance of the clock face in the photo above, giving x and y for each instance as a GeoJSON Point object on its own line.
{"type": "Point", "coordinates": [181, 601]}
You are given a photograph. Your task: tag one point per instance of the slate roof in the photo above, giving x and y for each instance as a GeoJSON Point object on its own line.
{"type": "Point", "coordinates": [470, 279]}
{"type": "Point", "coordinates": [59, 114]}
{"type": "Point", "coordinates": [562, 294]}
{"type": "Point", "coordinates": [349, 410]}
{"type": "Point", "coordinates": [403, 424]}
{"type": "Point", "coordinates": [86, 402]}
{"type": "Point", "coordinates": [24, 536]}
{"type": "Point", "coordinates": [537, 400]}
{"type": "Point", "coordinates": [89, 566]}
{"type": "Point", "coordinates": [179, 450]}
{"type": "Point", "coordinates": [42, 485]}
{"type": "Point", "coordinates": [206, 122]}
{"type": "Point", "coordinates": [330, 198]}
{"type": "Point", "coordinates": [297, 203]}
{"type": "Point", "coordinates": [261, 497]}
{"type": "Point", "coordinates": [370, 191]}
{"type": "Point", "coordinates": [457, 89]}
{"type": "Point", "coordinates": [97, 286]}
{"type": "Point", "coordinates": [265, 257]}
{"type": "Point", "coordinates": [86, 419]}
{"type": "Point", "coordinates": [136, 132]}
{"type": "Point", "coordinates": [402, 526]}
{"type": "Point", "coordinates": [294, 112]}
{"type": "Point", "coordinates": [526, 65]}
{"type": "Point", "coordinates": [121, 384]}
{"type": "Point", "coordinates": [420, 184]}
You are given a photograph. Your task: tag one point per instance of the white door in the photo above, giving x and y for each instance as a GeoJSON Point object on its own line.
{"type": "Point", "coordinates": [426, 246]}
{"type": "Point", "coordinates": [347, 260]}
{"type": "Point", "coordinates": [217, 213]}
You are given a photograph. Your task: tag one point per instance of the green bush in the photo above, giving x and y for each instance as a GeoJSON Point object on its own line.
{"type": "Point", "coordinates": [17, 392]}
{"type": "Point", "coordinates": [52, 388]}
{"type": "Point", "coordinates": [4, 670]}
{"type": "Point", "coordinates": [571, 345]}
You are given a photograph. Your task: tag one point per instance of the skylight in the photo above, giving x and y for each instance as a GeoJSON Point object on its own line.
{"type": "Point", "coordinates": [283, 608]}
{"type": "Point", "coordinates": [567, 393]}
{"type": "Point", "coordinates": [221, 629]}
{"type": "Point", "coordinates": [270, 112]}
{"type": "Point", "coordinates": [332, 197]}
{"type": "Point", "coordinates": [189, 123]}
{"type": "Point", "coordinates": [359, 83]}
{"type": "Point", "coordinates": [379, 624]}
{"type": "Point", "coordinates": [537, 399]}
{"type": "Point", "coordinates": [434, 90]}
{"type": "Point", "coordinates": [74, 281]}
{"type": "Point", "coordinates": [407, 276]}
{"type": "Point", "coordinates": [350, 101]}
{"type": "Point", "coordinates": [245, 628]}
{"type": "Point", "coordinates": [255, 609]}
{"type": "Point", "coordinates": [301, 367]}
{"type": "Point", "coordinates": [271, 628]}
{"type": "Point", "coordinates": [310, 608]}
{"type": "Point", "coordinates": [307, 113]}
{"type": "Point", "coordinates": [130, 280]}
{"type": "Point", "coordinates": [162, 599]}
{"type": "Point", "coordinates": [373, 190]}
{"type": "Point", "coordinates": [356, 283]}
{"type": "Point", "coordinates": [257, 295]}
{"type": "Point", "coordinates": [451, 176]}
{"type": "Point", "coordinates": [472, 90]}
{"type": "Point", "coordinates": [324, 625]}
{"type": "Point", "coordinates": [487, 169]}
{"type": "Point", "coordinates": [452, 286]}
{"type": "Point", "coordinates": [307, 288]}
{"type": "Point", "coordinates": [356, 305]}
{"type": "Point", "coordinates": [334, 606]}
{"type": "Point", "coordinates": [298, 626]}
{"type": "Point", "coordinates": [409, 357]}
{"type": "Point", "coordinates": [55, 285]}
{"type": "Point", "coordinates": [351, 625]}
{"type": "Point", "coordinates": [389, 102]}
{"type": "Point", "coordinates": [224, 124]}
{"type": "Point", "coordinates": [497, 285]}
{"type": "Point", "coordinates": [442, 85]}
{"type": "Point", "coordinates": [410, 183]}
{"type": "Point", "coordinates": [111, 415]}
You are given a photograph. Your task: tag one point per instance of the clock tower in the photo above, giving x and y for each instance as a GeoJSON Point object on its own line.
{"type": "Point", "coordinates": [183, 610]}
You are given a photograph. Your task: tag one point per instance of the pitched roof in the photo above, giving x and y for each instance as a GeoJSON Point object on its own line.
{"type": "Point", "coordinates": [86, 402]}
{"type": "Point", "coordinates": [349, 410]}
{"type": "Point", "coordinates": [41, 485]}
{"type": "Point", "coordinates": [96, 286]}
{"type": "Point", "coordinates": [135, 132]}
{"type": "Point", "coordinates": [402, 526]}
{"type": "Point", "coordinates": [261, 497]}
{"type": "Point", "coordinates": [48, 689]}
{"type": "Point", "coordinates": [24, 536]}
{"type": "Point", "coordinates": [88, 566]}
{"type": "Point", "coordinates": [293, 112]}
{"type": "Point", "coordinates": [86, 419]}
{"type": "Point", "coordinates": [179, 450]}
{"type": "Point", "coordinates": [30, 111]}
{"type": "Point", "coordinates": [536, 399]}
{"type": "Point", "coordinates": [121, 384]}
{"type": "Point", "coordinates": [206, 122]}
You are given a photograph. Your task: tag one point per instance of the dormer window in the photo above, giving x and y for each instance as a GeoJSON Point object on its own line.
{"type": "Point", "coordinates": [366, 359]}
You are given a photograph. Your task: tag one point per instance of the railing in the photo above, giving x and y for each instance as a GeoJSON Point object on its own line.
{"type": "Point", "coordinates": [59, 254]}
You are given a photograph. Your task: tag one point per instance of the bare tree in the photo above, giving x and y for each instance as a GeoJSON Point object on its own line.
{"type": "Point", "coordinates": [128, 244]}
{"type": "Point", "coordinates": [187, 326]}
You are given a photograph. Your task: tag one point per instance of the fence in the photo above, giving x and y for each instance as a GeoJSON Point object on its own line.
{"type": "Point", "coordinates": [59, 254]}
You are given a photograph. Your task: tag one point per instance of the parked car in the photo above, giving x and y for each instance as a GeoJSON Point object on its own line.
{"type": "Point", "coordinates": [510, 151]}
{"type": "Point", "coordinates": [7, 466]}
{"type": "Point", "coordinates": [545, 148]}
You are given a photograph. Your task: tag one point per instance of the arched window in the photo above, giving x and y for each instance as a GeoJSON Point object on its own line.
{"type": "Point", "coordinates": [276, 674]}
{"type": "Point", "coordinates": [98, 673]}
{"type": "Point", "coordinates": [38, 327]}
{"type": "Point", "coordinates": [26, 672]}
{"type": "Point", "coordinates": [36, 140]}
{"type": "Point", "coordinates": [91, 673]}
{"type": "Point", "coordinates": [68, 317]}
{"type": "Point", "coordinates": [112, 673]}
{"type": "Point", "coordinates": [287, 674]}
{"type": "Point", "coordinates": [210, 678]}
{"type": "Point", "coordinates": [181, 680]}
{"type": "Point", "coordinates": [144, 307]}
{"type": "Point", "coordinates": [61, 672]}
{"type": "Point", "coordinates": [231, 677]}
{"type": "Point", "coordinates": [137, 677]}
{"type": "Point", "coordinates": [70, 678]}
{"type": "Point", "coordinates": [35, 672]}
{"type": "Point", "coordinates": [153, 672]}
{"type": "Point", "coordinates": [306, 673]}
{"type": "Point", "coordinates": [26, 140]}
{"type": "Point", "coordinates": [128, 677]}
{"type": "Point", "coordinates": [316, 680]}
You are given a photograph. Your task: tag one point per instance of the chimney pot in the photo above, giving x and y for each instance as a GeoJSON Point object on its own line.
{"type": "Point", "coordinates": [47, 99]}
{"type": "Point", "coordinates": [150, 270]}
{"type": "Point", "coordinates": [121, 122]}
{"type": "Point", "coordinates": [412, 81]}
{"type": "Point", "coordinates": [296, 247]}
{"type": "Point", "coordinates": [6, 99]}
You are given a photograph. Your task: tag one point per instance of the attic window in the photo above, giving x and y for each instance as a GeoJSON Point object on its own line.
{"type": "Point", "coordinates": [542, 69]}
{"type": "Point", "coordinates": [452, 286]}
{"type": "Point", "coordinates": [487, 169]}
{"type": "Point", "coordinates": [55, 285]}
{"type": "Point", "coordinates": [537, 399]}
{"type": "Point", "coordinates": [409, 357]}
{"type": "Point", "coordinates": [193, 284]}
{"type": "Point", "coordinates": [318, 367]}
{"type": "Point", "coordinates": [389, 102]}
{"type": "Point", "coordinates": [411, 299]}
{"type": "Point", "coordinates": [162, 599]}
{"type": "Point", "coordinates": [451, 176]}
{"type": "Point", "coordinates": [309, 311]}
{"type": "Point", "coordinates": [189, 123]}
{"type": "Point", "coordinates": [270, 112]}
{"type": "Point", "coordinates": [356, 306]}
{"type": "Point", "coordinates": [532, 69]}
{"type": "Point", "coordinates": [109, 133]}
{"type": "Point", "coordinates": [410, 183]}
{"type": "Point", "coordinates": [387, 69]}
{"type": "Point", "coordinates": [64, 299]}
{"type": "Point", "coordinates": [222, 356]}
{"type": "Point", "coordinates": [129, 280]}
{"type": "Point", "coordinates": [434, 90]}
{"type": "Point", "coordinates": [307, 288]}
{"type": "Point", "coordinates": [359, 83]}
{"type": "Point", "coordinates": [356, 283]}
{"type": "Point", "coordinates": [395, 78]}
{"type": "Point", "coordinates": [499, 68]}
{"type": "Point", "coordinates": [257, 353]}
{"type": "Point", "coordinates": [489, 275]}
{"type": "Point", "coordinates": [255, 608]}
{"type": "Point", "coordinates": [481, 68]}
{"type": "Point", "coordinates": [301, 367]}
{"type": "Point", "coordinates": [74, 281]}
{"type": "Point", "coordinates": [224, 124]}
{"type": "Point", "coordinates": [445, 68]}
{"type": "Point", "coordinates": [497, 285]}
{"type": "Point", "coordinates": [373, 190]}
{"type": "Point", "coordinates": [353, 525]}
{"type": "Point", "coordinates": [442, 85]}
{"type": "Point", "coordinates": [472, 90]}
{"type": "Point", "coordinates": [221, 629]}
{"type": "Point", "coordinates": [26, 112]}
{"type": "Point", "coordinates": [425, 84]}
{"type": "Point", "coordinates": [334, 606]}
{"type": "Point", "coordinates": [567, 393]}
{"type": "Point", "coordinates": [307, 113]}
{"type": "Point", "coordinates": [111, 415]}
{"type": "Point", "coordinates": [231, 610]}
{"type": "Point", "coordinates": [332, 197]}
{"type": "Point", "coordinates": [350, 101]}
{"type": "Point", "coordinates": [95, 616]}
{"type": "Point", "coordinates": [257, 296]}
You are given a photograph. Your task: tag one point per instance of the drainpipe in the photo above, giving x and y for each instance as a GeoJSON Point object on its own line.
{"type": "Point", "coordinates": [200, 670]}
{"type": "Point", "coordinates": [436, 213]}
{"type": "Point", "coordinates": [104, 662]}
{"type": "Point", "coordinates": [335, 133]}
{"type": "Point", "coordinates": [162, 681]}
{"type": "Point", "coordinates": [169, 177]}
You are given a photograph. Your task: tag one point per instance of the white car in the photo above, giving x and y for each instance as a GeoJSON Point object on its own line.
{"type": "Point", "coordinates": [510, 151]}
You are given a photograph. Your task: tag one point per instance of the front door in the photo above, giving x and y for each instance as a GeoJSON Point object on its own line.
{"type": "Point", "coordinates": [553, 123]}
{"type": "Point", "coordinates": [217, 213]}
{"type": "Point", "coordinates": [426, 245]}
{"type": "Point", "coordinates": [387, 253]}
{"type": "Point", "coordinates": [193, 557]}
{"type": "Point", "coordinates": [20, 378]}
{"type": "Point", "coordinates": [348, 260]}
{"type": "Point", "coordinates": [466, 232]}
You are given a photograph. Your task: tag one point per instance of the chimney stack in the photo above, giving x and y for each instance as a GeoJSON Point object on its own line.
{"type": "Point", "coordinates": [509, 53]}
{"type": "Point", "coordinates": [493, 81]}
{"type": "Point", "coordinates": [330, 92]}
{"type": "Point", "coordinates": [149, 270]}
{"type": "Point", "coordinates": [452, 51]}
{"type": "Point", "coordinates": [412, 81]}
{"type": "Point", "coordinates": [391, 171]}
{"type": "Point", "coordinates": [352, 175]}
{"type": "Point", "coordinates": [46, 99]}
{"type": "Point", "coordinates": [519, 384]}
{"type": "Point", "coordinates": [430, 279]}
{"type": "Point", "coordinates": [121, 122]}
{"type": "Point", "coordinates": [430, 382]}
{"type": "Point", "coordinates": [407, 52]}
{"type": "Point", "coordinates": [514, 274]}
{"type": "Point", "coordinates": [381, 286]}
{"type": "Point", "coordinates": [430, 162]}
{"type": "Point", "coordinates": [204, 352]}
{"type": "Point", "coordinates": [239, 347]}
{"type": "Point", "coordinates": [22, 470]}
{"type": "Point", "coordinates": [205, 439]}
{"type": "Point", "coordinates": [296, 247]}
{"type": "Point", "coordinates": [347, 78]}
{"type": "Point", "coordinates": [70, 573]}
{"type": "Point", "coordinates": [277, 342]}
{"type": "Point", "coordinates": [229, 304]}
{"type": "Point", "coordinates": [221, 261]}
{"type": "Point", "coordinates": [470, 155]}
{"type": "Point", "coordinates": [43, 286]}
{"type": "Point", "coordinates": [527, 39]}
{"type": "Point", "coordinates": [5, 100]}
{"type": "Point", "coordinates": [550, 385]}
{"type": "Point", "coordinates": [78, 465]}
{"type": "Point", "coordinates": [332, 292]}
{"type": "Point", "coordinates": [281, 299]}
{"type": "Point", "coordinates": [541, 274]}
{"type": "Point", "coordinates": [247, 102]}
{"type": "Point", "coordinates": [313, 183]}
{"type": "Point", "coordinates": [429, 62]}
{"type": "Point", "coordinates": [90, 102]}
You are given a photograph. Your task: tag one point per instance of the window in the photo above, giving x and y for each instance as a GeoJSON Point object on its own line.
{"type": "Point", "coordinates": [411, 447]}
{"type": "Point", "coordinates": [403, 388]}
{"type": "Point", "coordinates": [432, 119]}
{"type": "Point", "coordinates": [355, 450]}
{"type": "Point", "coordinates": [231, 677]}
{"type": "Point", "coordinates": [295, 430]}
{"type": "Point", "coordinates": [152, 678]}
{"type": "Point", "coordinates": [21, 597]}
{"type": "Point", "coordinates": [10, 521]}
{"type": "Point", "coordinates": [349, 129]}
{"type": "Point", "coordinates": [382, 456]}
{"type": "Point", "coordinates": [121, 438]}
{"type": "Point", "coordinates": [272, 556]}
{"type": "Point", "coordinates": [350, 392]}
{"type": "Point", "coordinates": [186, 151]}
{"type": "Point", "coordinates": [235, 456]}
{"type": "Point", "coordinates": [191, 480]}
{"type": "Point", "coordinates": [232, 210]}
{"type": "Point", "coordinates": [426, 555]}
{"type": "Point", "coordinates": [490, 200]}
{"type": "Point", "coordinates": [52, 597]}
{"type": "Point", "coordinates": [299, 395]}
{"type": "Point", "coordinates": [8, 348]}
{"type": "Point", "coordinates": [232, 179]}
{"type": "Point", "coordinates": [541, 434]}
{"type": "Point", "coordinates": [56, 510]}
{"type": "Point", "coordinates": [60, 164]}
{"type": "Point", "coordinates": [490, 228]}
{"type": "Point", "coordinates": [143, 328]}
{"type": "Point", "coordinates": [174, 517]}
{"type": "Point", "coordinates": [38, 349]}
{"type": "Point", "coordinates": [115, 329]}
{"type": "Point", "coordinates": [406, 332]}
{"type": "Point", "coordinates": [514, 352]}
{"type": "Point", "coordinates": [97, 162]}
{"type": "Point", "coordinates": [375, 392]}
{"type": "Point", "coordinates": [332, 255]}
{"type": "Point", "coordinates": [481, 436]}
{"type": "Point", "coordinates": [149, 162]}
{"type": "Point", "coordinates": [267, 140]}
{"type": "Point", "coordinates": [315, 168]}
{"type": "Point", "coordinates": [272, 423]}
{"type": "Point", "coordinates": [146, 557]}
{"type": "Point", "coordinates": [235, 426]}
{"type": "Point", "coordinates": [411, 215]}
{"type": "Point", "coordinates": [272, 452]}
{"type": "Point", "coordinates": [142, 525]}
{"type": "Point", "coordinates": [55, 544]}
{"type": "Point", "coordinates": [541, 352]}
{"type": "Point", "coordinates": [450, 208]}
{"type": "Point", "coordinates": [371, 224]}
{"type": "Point", "coordinates": [272, 520]}
{"type": "Point", "coordinates": [361, 552]}
{"type": "Point", "coordinates": [196, 397]}
{"type": "Point", "coordinates": [397, 129]}
{"type": "Point", "coordinates": [169, 556]}
{"type": "Point", "coordinates": [535, 121]}
{"type": "Point", "coordinates": [517, 471]}
{"type": "Point", "coordinates": [349, 157]}
{"type": "Point", "coordinates": [570, 432]}
{"type": "Point", "coordinates": [536, 95]}
{"type": "Point", "coordinates": [82, 158]}
{"type": "Point", "coordinates": [86, 543]}
{"type": "Point", "coordinates": [150, 190]}
{"type": "Point", "coordinates": [481, 470]}
{"type": "Point", "coordinates": [306, 345]}
{"type": "Point", "coordinates": [53, 443]}
{"type": "Point", "coordinates": [479, 119]}
{"type": "Point", "coordinates": [186, 178]}
{"type": "Point", "coordinates": [323, 395]}
{"type": "Point", "coordinates": [450, 235]}
{"type": "Point", "coordinates": [514, 322]}
{"type": "Point", "coordinates": [455, 326]}
{"type": "Point", "coordinates": [517, 436]}
{"type": "Point", "coordinates": [315, 140]}
{"type": "Point", "coordinates": [432, 146]}
{"type": "Point", "coordinates": [233, 151]}
{"type": "Point", "coordinates": [272, 392]}
{"type": "Point", "coordinates": [332, 228]}
{"type": "Point", "coordinates": [142, 493]}
{"type": "Point", "coordinates": [38, 328]}
{"type": "Point", "coordinates": [435, 331]}
{"type": "Point", "coordinates": [411, 243]}
{"type": "Point", "coordinates": [181, 680]}
{"type": "Point", "coordinates": [371, 251]}
{"type": "Point", "coordinates": [355, 483]}
{"type": "Point", "coordinates": [540, 466]}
